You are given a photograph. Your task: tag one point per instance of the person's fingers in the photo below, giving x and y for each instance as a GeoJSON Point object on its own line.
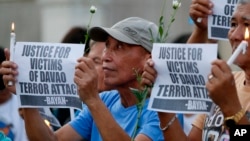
{"type": "Point", "coordinates": [85, 72]}
{"type": "Point", "coordinates": [202, 3]}
{"type": "Point", "coordinates": [7, 79]}
{"type": "Point", "coordinates": [9, 65]}
{"type": "Point", "coordinates": [220, 76]}
{"type": "Point", "coordinates": [8, 68]}
{"type": "Point", "coordinates": [7, 53]}
{"type": "Point", "coordinates": [149, 67]}
{"type": "Point", "coordinates": [149, 73]}
{"type": "Point", "coordinates": [90, 63]}
{"type": "Point", "coordinates": [210, 77]}
{"type": "Point", "coordinates": [222, 65]}
{"type": "Point", "coordinates": [200, 9]}
{"type": "Point", "coordinates": [221, 70]}
{"type": "Point", "coordinates": [147, 79]}
{"type": "Point", "coordinates": [85, 64]}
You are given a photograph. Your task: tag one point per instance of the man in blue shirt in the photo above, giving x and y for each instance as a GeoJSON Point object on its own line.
{"type": "Point", "coordinates": [128, 45]}
{"type": "Point", "coordinates": [110, 115]}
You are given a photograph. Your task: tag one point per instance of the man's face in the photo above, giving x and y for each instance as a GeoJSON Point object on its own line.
{"type": "Point", "coordinates": [120, 60]}
{"type": "Point", "coordinates": [96, 55]}
{"type": "Point", "coordinates": [240, 21]}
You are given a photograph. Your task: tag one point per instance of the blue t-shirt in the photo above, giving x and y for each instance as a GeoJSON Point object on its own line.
{"type": "Point", "coordinates": [125, 117]}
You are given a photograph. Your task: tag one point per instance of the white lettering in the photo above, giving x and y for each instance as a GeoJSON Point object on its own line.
{"type": "Point", "coordinates": [240, 132]}
{"type": "Point", "coordinates": [196, 105]}
{"type": "Point", "coordinates": [56, 100]}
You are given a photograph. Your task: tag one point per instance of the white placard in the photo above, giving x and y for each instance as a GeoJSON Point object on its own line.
{"type": "Point", "coordinates": [182, 73]}
{"type": "Point", "coordinates": [219, 22]}
{"type": "Point", "coordinates": [46, 72]}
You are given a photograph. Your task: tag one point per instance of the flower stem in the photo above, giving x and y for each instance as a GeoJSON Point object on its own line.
{"type": "Point", "coordinates": [137, 123]}
{"type": "Point", "coordinates": [139, 106]}
{"type": "Point", "coordinates": [162, 20]}
{"type": "Point", "coordinates": [88, 26]}
{"type": "Point", "coordinates": [172, 19]}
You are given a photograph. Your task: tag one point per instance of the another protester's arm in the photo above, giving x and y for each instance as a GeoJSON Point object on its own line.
{"type": "Point", "coordinates": [174, 130]}
{"type": "Point", "coordinates": [200, 9]}
{"type": "Point", "coordinates": [34, 122]}
{"type": "Point", "coordinates": [35, 126]}
{"type": "Point", "coordinates": [7, 72]}
{"type": "Point", "coordinates": [222, 90]}
{"type": "Point", "coordinates": [169, 121]}
{"type": "Point", "coordinates": [37, 130]}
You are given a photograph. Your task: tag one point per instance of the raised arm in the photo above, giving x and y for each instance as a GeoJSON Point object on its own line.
{"type": "Point", "coordinates": [199, 12]}
{"type": "Point", "coordinates": [86, 80]}
{"type": "Point", "coordinates": [35, 126]}
{"type": "Point", "coordinates": [169, 124]}
{"type": "Point", "coordinates": [6, 71]}
{"type": "Point", "coordinates": [37, 130]}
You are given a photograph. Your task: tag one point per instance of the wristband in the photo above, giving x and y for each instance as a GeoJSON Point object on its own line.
{"type": "Point", "coordinates": [168, 124]}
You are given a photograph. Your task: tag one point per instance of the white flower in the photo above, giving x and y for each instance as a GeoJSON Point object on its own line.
{"type": "Point", "coordinates": [176, 4]}
{"type": "Point", "coordinates": [93, 9]}
{"type": "Point", "coordinates": [92, 12]}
